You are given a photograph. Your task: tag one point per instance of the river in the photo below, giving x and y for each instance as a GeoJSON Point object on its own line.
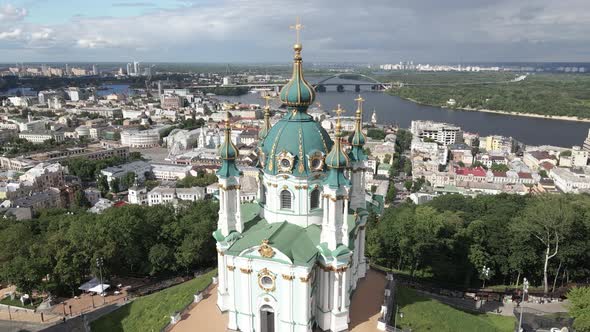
{"type": "Point", "coordinates": [392, 109]}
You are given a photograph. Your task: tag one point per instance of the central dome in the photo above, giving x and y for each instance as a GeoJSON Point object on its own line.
{"type": "Point", "coordinates": [298, 139]}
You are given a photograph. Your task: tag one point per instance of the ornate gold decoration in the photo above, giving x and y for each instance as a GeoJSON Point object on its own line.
{"type": "Point", "coordinates": [288, 276]}
{"type": "Point", "coordinates": [245, 270]}
{"type": "Point", "coordinates": [285, 177]}
{"type": "Point", "coordinates": [304, 279]}
{"type": "Point", "coordinates": [232, 187]}
{"type": "Point", "coordinates": [316, 156]}
{"type": "Point", "coordinates": [301, 156]}
{"type": "Point", "coordinates": [221, 253]}
{"type": "Point", "coordinates": [266, 250]}
{"type": "Point", "coordinates": [297, 27]}
{"type": "Point", "coordinates": [231, 267]}
{"type": "Point", "coordinates": [265, 273]}
{"type": "Point", "coordinates": [274, 185]}
{"type": "Point", "coordinates": [285, 156]}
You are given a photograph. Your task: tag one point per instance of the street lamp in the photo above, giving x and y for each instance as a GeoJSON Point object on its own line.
{"type": "Point", "coordinates": [525, 290]}
{"type": "Point", "coordinates": [99, 264]}
{"type": "Point", "coordinates": [485, 274]}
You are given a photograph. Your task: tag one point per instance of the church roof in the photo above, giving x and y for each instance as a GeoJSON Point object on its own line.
{"type": "Point", "coordinates": [298, 135]}
{"type": "Point", "coordinates": [297, 92]}
{"type": "Point", "coordinates": [301, 245]}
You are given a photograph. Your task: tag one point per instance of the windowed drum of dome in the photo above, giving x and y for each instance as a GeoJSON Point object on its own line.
{"type": "Point", "coordinates": [286, 199]}
{"type": "Point", "coordinates": [314, 199]}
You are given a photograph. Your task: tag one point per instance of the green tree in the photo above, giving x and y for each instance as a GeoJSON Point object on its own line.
{"type": "Point", "coordinates": [80, 199]}
{"type": "Point", "coordinates": [161, 258]}
{"type": "Point", "coordinates": [500, 167]}
{"type": "Point", "coordinates": [579, 308]}
{"type": "Point", "coordinates": [548, 219]}
{"type": "Point", "coordinates": [115, 182]}
{"type": "Point", "coordinates": [103, 184]}
{"type": "Point", "coordinates": [377, 134]}
{"type": "Point", "coordinates": [387, 158]}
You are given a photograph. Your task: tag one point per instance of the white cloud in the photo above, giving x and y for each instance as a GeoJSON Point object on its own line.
{"type": "Point", "coordinates": [10, 35]}
{"type": "Point", "coordinates": [9, 12]}
{"type": "Point", "coordinates": [345, 30]}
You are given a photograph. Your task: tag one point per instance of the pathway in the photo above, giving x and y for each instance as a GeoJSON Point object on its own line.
{"type": "Point", "coordinates": [365, 308]}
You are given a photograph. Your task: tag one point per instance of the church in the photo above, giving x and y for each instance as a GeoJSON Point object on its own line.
{"type": "Point", "coordinates": [291, 260]}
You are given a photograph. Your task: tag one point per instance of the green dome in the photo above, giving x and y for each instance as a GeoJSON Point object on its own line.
{"type": "Point", "coordinates": [228, 153]}
{"type": "Point", "coordinates": [298, 92]}
{"type": "Point", "coordinates": [337, 158]}
{"type": "Point", "coordinates": [298, 139]}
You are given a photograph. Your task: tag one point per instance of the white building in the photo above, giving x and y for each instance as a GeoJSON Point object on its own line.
{"type": "Point", "coordinates": [140, 168]}
{"type": "Point", "coordinates": [163, 195]}
{"type": "Point", "coordinates": [579, 157]}
{"type": "Point", "coordinates": [442, 133]}
{"type": "Point", "coordinates": [42, 136]}
{"type": "Point", "coordinates": [170, 172]}
{"type": "Point", "coordinates": [290, 260]}
{"type": "Point", "coordinates": [140, 138]}
{"type": "Point", "coordinates": [571, 180]}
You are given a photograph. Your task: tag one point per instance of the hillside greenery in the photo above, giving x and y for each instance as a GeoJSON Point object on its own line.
{"type": "Point", "coordinates": [421, 313]}
{"type": "Point", "coordinates": [542, 94]}
{"type": "Point", "coordinates": [133, 241]}
{"type": "Point", "coordinates": [450, 239]}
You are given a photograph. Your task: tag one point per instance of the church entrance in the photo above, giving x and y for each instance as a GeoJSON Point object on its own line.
{"type": "Point", "coordinates": [267, 319]}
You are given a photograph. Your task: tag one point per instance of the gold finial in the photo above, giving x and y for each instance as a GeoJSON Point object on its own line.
{"type": "Point", "coordinates": [297, 27]}
{"type": "Point", "coordinates": [339, 110]}
{"type": "Point", "coordinates": [267, 100]}
{"type": "Point", "coordinates": [359, 101]}
{"type": "Point", "coordinates": [227, 118]}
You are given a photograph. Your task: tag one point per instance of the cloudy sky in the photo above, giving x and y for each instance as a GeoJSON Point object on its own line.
{"type": "Point", "coordinates": [374, 31]}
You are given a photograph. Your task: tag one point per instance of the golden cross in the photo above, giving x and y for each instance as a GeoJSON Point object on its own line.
{"type": "Point", "coordinates": [297, 27]}
{"type": "Point", "coordinates": [339, 110]}
{"type": "Point", "coordinates": [267, 100]}
{"type": "Point", "coordinates": [360, 101]}
{"type": "Point", "coordinates": [227, 118]}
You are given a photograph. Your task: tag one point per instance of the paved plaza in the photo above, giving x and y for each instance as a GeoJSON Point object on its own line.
{"type": "Point", "coordinates": [364, 309]}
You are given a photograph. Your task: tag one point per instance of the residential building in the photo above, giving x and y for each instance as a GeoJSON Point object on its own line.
{"type": "Point", "coordinates": [140, 138]}
{"type": "Point", "coordinates": [586, 145]}
{"type": "Point", "coordinates": [140, 168]}
{"type": "Point", "coordinates": [163, 195]}
{"type": "Point", "coordinates": [579, 157]}
{"type": "Point", "coordinates": [44, 176]}
{"type": "Point", "coordinates": [442, 133]}
{"type": "Point", "coordinates": [497, 143]}
{"type": "Point", "coordinates": [570, 180]}
{"type": "Point", "coordinates": [137, 195]}
{"type": "Point", "coordinates": [170, 172]}
{"type": "Point", "coordinates": [42, 136]}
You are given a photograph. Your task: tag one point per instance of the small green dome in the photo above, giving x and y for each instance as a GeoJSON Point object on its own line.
{"type": "Point", "coordinates": [337, 158]}
{"type": "Point", "coordinates": [228, 153]}
{"type": "Point", "coordinates": [228, 150]}
{"type": "Point", "coordinates": [357, 138]}
{"type": "Point", "coordinates": [298, 92]}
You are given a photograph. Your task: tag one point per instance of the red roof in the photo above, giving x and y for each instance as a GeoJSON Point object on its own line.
{"type": "Point", "coordinates": [477, 171]}
{"type": "Point", "coordinates": [119, 204]}
{"type": "Point", "coordinates": [547, 165]}
{"type": "Point", "coordinates": [525, 175]}
{"type": "Point", "coordinates": [499, 174]}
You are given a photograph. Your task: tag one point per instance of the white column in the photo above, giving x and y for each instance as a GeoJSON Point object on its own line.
{"type": "Point", "coordinates": [325, 291]}
{"type": "Point", "coordinates": [345, 300]}
{"type": "Point", "coordinates": [336, 285]}
{"type": "Point", "coordinates": [345, 237]}
{"type": "Point", "coordinates": [232, 323]}
{"type": "Point", "coordinates": [238, 216]}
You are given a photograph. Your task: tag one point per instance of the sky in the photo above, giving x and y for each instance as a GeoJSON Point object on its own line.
{"type": "Point", "coordinates": [257, 31]}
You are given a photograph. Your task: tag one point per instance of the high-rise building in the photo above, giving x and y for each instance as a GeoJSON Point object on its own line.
{"type": "Point", "coordinates": [136, 68]}
{"type": "Point", "coordinates": [129, 69]}
{"type": "Point", "coordinates": [587, 142]}
{"type": "Point", "coordinates": [442, 133]}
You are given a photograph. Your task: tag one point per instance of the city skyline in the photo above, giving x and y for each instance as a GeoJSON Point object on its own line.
{"type": "Point", "coordinates": [238, 31]}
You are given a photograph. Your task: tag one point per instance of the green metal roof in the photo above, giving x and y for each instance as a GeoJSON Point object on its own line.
{"type": "Point", "coordinates": [301, 245]}
{"type": "Point", "coordinates": [298, 134]}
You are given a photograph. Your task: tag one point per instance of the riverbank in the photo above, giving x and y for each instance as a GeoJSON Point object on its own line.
{"type": "Point", "coordinates": [483, 110]}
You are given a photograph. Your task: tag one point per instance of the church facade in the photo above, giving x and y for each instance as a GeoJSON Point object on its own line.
{"type": "Point", "coordinates": [291, 260]}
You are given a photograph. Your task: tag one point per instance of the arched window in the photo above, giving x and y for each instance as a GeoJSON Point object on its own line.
{"type": "Point", "coordinates": [263, 194]}
{"type": "Point", "coordinates": [314, 200]}
{"type": "Point", "coordinates": [286, 199]}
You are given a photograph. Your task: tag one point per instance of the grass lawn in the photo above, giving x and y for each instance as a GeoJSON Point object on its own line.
{"type": "Point", "coordinates": [425, 314]}
{"type": "Point", "coordinates": [152, 312]}
{"type": "Point", "coordinates": [17, 303]}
